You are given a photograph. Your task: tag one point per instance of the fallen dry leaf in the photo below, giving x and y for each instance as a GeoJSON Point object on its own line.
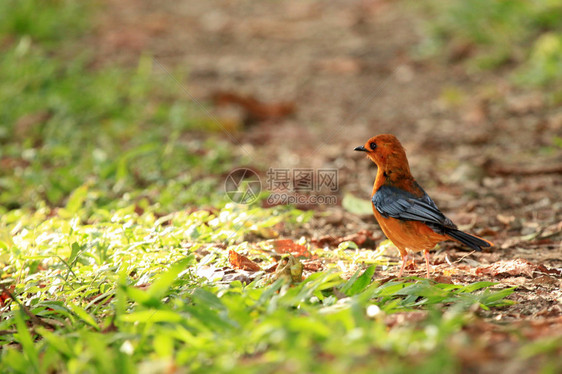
{"type": "Point", "coordinates": [552, 230]}
{"type": "Point", "coordinates": [546, 280]}
{"type": "Point", "coordinates": [546, 270]}
{"type": "Point", "coordinates": [272, 268]}
{"type": "Point", "coordinates": [505, 219]}
{"type": "Point", "coordinates": [443, 279]}
{"type": "Point", "coordinates": [9, 163]}
{"type": "Point", "coordinates": [548, 326]}
{"type": "Point", "coordinates": [255, 110]}
{"type": "Point", "coordinates": [239, 261]}
{"type": "Point", "coordinates": [282, 246]}
{"type": "Point", "coordinates": [509, 267]}
{"type": "Point", "coordinates": [5, 295]}
{"type": "Point", "coordinates": [312, 265]}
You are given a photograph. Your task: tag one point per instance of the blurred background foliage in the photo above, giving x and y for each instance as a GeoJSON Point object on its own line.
{"type": "Point", "coordinates": [65, 123]}
{"type": "Point", "coordinates": [522, 36]}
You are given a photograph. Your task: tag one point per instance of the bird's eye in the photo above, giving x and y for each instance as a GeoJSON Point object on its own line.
{"type": "Point", "coordinates": [373, 145]}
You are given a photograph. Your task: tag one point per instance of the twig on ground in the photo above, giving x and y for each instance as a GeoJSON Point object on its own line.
{"type": "Point", "coordinates": [34, 319]}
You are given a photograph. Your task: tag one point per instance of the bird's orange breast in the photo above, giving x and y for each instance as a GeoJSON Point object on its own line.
{"type": "Point", "coordinates": [413, 235]}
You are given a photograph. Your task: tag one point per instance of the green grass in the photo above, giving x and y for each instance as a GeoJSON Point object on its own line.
{"type": "Point", "coordinates": [47, 22]}
{"type": "Point", "coordinates": [525, 36]}
{"type": "Point", "coordinates": [120, 290]}
{"type": "Point", "coordinates": [116, 291]}
{"type": "Point", "coordinates": [63, 125]}
{"type": "Point", "coordinates": [66, 126]}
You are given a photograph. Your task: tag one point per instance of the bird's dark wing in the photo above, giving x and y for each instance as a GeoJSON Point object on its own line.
{"type": "Point", "coordinates": [394, 202]}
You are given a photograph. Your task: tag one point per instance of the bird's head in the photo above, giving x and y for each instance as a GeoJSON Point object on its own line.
{"type": "Point", "coordinates": [386, 151]}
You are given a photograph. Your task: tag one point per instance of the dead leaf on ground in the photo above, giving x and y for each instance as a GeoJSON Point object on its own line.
{"type": "Point", "coordinates": [8, 163]}
{"type": "Point", "coordinates": [5, 295]}
{"type": "Point", "coordinates": [540, 328]}
{"type": "Point", "coordinates": [494, 168]}
{"type": "Point", "coordinates": [443, 279]}
{"type": "Point", "coordinates": [546, 270]}
{"type": "Point", "coordinates": [549, 312]}
{"type": "Point", "coordinates": [509, 268]}
{"type": "Point", "coordinates": [282, 246]}
{"type": "Point", "coordinates": [505, 219]}
{"type": "Point", "coordinates": [552, 230]}
{"type": "Point", "coordinates": [272, 268]}
{"type": "Point", "coordinates": [312, 265]}
{"type": "Point", "coordinates": [239, 261]}
{"type": "Point", "coordinates": [255, 110]}
{"type": "Point", "coordinates": [546, 280]}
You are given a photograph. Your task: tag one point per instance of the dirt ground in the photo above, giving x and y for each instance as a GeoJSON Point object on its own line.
{"type": "Point", "coordinates": [306, 82]}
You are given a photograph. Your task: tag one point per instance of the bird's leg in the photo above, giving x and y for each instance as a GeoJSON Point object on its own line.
{"type": "Point", "coordinates": [404, 261]}
{"type": "Point", "coordinates": [426, 255]}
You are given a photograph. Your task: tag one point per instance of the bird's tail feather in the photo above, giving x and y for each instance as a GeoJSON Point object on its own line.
{"type": "Point", "coordinates": [471, 241]}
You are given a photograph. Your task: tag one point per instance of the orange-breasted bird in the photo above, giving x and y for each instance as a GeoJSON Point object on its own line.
{"type": "Point", "coordinates": [404, 211]}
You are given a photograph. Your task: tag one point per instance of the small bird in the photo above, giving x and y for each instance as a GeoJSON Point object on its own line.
{"type": "Point", "coordinates": [404, 211]}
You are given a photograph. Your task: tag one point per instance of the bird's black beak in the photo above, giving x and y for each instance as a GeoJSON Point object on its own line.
{"type": "Point", "coordinates": [361, 148]}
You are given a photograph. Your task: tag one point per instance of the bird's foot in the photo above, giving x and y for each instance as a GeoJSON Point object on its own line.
{"type": "Point", "coordinates": [426, 255]}
{"type": "Point", "coordinates": [404, 262]}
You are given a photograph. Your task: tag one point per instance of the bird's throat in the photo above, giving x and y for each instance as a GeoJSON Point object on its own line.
{"type": "Point", "coordinates": [397, 177]}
